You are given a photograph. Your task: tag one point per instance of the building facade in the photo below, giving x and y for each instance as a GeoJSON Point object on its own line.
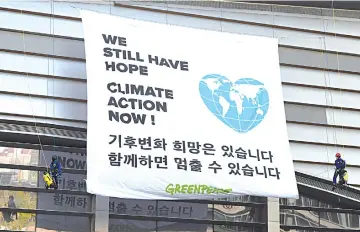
{"type": "Point", "coordinates": [43, 113]}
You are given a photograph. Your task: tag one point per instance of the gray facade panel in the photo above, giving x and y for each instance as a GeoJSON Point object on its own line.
{"type": "Point", "coordinates": [44, 86]}
{"type": "Point", "coordinates": [75, 49]}
{"type": "Point", "coordinates": [41, 44]}
{"type": "Point", "coordinates": [42, 65]}
{"type": "Point", "coordinates": [319, 59]}
{"type": "Point", "coordinates": [306, 114]}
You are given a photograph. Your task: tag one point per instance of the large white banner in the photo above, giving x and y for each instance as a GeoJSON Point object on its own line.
{"type": "Point", "coordinates": [176, 112]}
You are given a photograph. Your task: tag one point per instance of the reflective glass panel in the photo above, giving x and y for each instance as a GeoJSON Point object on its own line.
{"type": "Point", "coordinates": [18, 199]}
{"type": "Point", "coordinates": [15, 177]}
{"type": "Point", "coordinates": [19, 156]}
{"type": "Point", "coordinates": [335, 220]}
{"type": "Point", "coordinates": [299, 218]}
{"type": "Point", "coordinates": [48, 223]}
{"type": "Point", "coordinates": [239, 213]}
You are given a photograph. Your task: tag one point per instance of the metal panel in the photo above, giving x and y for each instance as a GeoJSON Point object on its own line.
{"type": "Point", "coordinates": [34, 106]}
{"type": "Point", "coordinates": [73, 28]}
{"type": "Point", "coordinates": [309, 114]}
{"type": "Point", "coordinates": [43, 131]}
{"type": "Point", "coordinates": [76, 69]}
{"type": "Point", "coordinates": [69, 89]}
{"type": "Point", "coordinates": [58, 8]}
{"type": "Point", "coordinates": [23, 84]}
{"type": "Point", "coordinates": [343, 117]}
{"type": "Point", "coordinates": [75, 48]}
{"type": "Point", "coordinates": [65, 9]}
{"type": "Point", "coordinates": [319, 59]}
{"type": "Point", "coordinates": [70, 110]}
{"type": "Point", "coordinates": [28, 84]}
{"type": "Point", "coordinates": [41, 44]}
{"type": "Point", "coordinates": [320, 78]}
{"type": "Point", "coordinates": [42, 65]}
{"type": "Point", "coordinates": [324, 97]}
{"type": "Point", "coordinates": [323, 154]}
{"type": "Point", "coordinates": [289, 36]}
{"type": "Point", "coordinates": [322, 134]}
{"type": "Point", "coordinates": [77, 90]}
{"type": "Point", "coordinates": [36, 119]}
{"type": "Point", "coordinates": [40, 24]}
{"type": "Point", "coordinates": [101, 214]}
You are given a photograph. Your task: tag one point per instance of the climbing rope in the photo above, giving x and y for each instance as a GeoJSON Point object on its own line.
{"type": "Point", "coordinates": [52, 33]}
{"type": "Point", "coordinates": [328, 92]}
{"type": "Point", "coordinates": [31, 99]}
{"type": "Point", "coordinates": [328, 95]}
{"type": "Point", "coordinates": [338, 66]}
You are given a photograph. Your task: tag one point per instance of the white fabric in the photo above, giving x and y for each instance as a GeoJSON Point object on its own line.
{"type": "Point", "coordinates": [200, 107]}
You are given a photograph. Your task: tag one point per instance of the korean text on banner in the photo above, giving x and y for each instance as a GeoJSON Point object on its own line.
{"type": "Point", "coordinates": [176, 112]}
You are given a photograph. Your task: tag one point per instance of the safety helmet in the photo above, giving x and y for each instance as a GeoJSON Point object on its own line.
{"type": "Point", "coordinates": [54, 157]}
{"type": "Point", "coordinates": [338, 155]}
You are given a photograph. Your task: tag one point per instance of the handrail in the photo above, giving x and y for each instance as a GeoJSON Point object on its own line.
{"type": "Point", "coordinates": [43, 190]}
{"type": "Point", "coordinates": [43, 211]}
{"type": "Point", "coordinates": [38, 168]}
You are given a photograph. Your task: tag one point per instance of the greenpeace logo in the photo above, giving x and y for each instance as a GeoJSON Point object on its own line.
{"type": "Point", "coordinates": [195, 189]}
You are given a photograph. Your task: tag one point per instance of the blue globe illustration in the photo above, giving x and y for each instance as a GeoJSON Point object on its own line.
{"type": "Point", "coordinates": [241, 106]}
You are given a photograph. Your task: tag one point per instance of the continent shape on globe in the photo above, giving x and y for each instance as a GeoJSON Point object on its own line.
{"type": "Point", "coordinates": [241, 106]}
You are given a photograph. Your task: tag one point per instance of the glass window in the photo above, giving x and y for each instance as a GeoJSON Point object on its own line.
{"type": "Point", "coordinates": [50, 223]}
{"type": "Point", "coordinates": [70, 160]}
{"type": "Point", "coordinates": [175, 209]}
{"type": "Point", "coordinates": [67, 181]}
{"type": "Point", "coordinates": [306, 201]}
{"type": "Point", "coordinates": [299, 218]}
{"type": "Point", "coordinates": [64, 202]}
{"type": "Point", "coordinates": [180, 226]}
{"type": "Point", "coordinates": [186, 210]}
{"type": "Point", "coordinates": [67, 160]}
{"type": "Point", "coordinates": [122, 225]}
{"type": "Point", "coordinates": [354, 221]}
{"type": "Point", "coordinates": [331, 220]}
{"type": "Point", "coordinates": [228, 228]}
{"type": "Point", "coordinates": [339, 220]}
{"type": "Point", "coordinates": [15, 177]}
{"type": "Point", "coordinates": [239, 213]}
{"type": "Point", "coordinates": [325, 205]}
{"type": "Point", "coordinates": [45, 201]}
{"type": "Point", "coordinates": [18, 199]}
{"type": "Point", "coordinates": [296, 230]}
{"type": "Point", "coordinates": [17, 221]}
{"type": "Point", "coordinates": [62, 223]}
{"type": "Point", "coordinates": [246, 198]}
{"type": "Point", "coordinates": [302, 201]}
{"type": "Point", "coordinates": [19, 156]}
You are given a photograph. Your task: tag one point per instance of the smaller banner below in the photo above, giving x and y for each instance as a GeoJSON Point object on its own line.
{"type": "Point", "coordinates": [153, 208]}
{"type": "Point", "coordinates": [176, 112]}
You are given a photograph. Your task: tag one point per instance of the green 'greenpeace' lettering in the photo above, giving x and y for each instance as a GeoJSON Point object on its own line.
{"type": "Point", "coordinates": [195, 189]}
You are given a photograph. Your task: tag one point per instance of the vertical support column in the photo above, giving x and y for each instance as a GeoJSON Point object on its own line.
{"type": "Point", "coordinates": [101, 210]}
{"type": "Point", "coordinates": [273, 214]}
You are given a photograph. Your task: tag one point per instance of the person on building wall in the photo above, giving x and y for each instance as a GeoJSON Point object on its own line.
{"type": "Point", "coordinates": [11, 204]}
{"type": "Point", "coordinates": [340, 165]}
{"type": "Point", "coordinates": [10, 216]}
{"type": "Point", "coordinates": [55, 170]}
